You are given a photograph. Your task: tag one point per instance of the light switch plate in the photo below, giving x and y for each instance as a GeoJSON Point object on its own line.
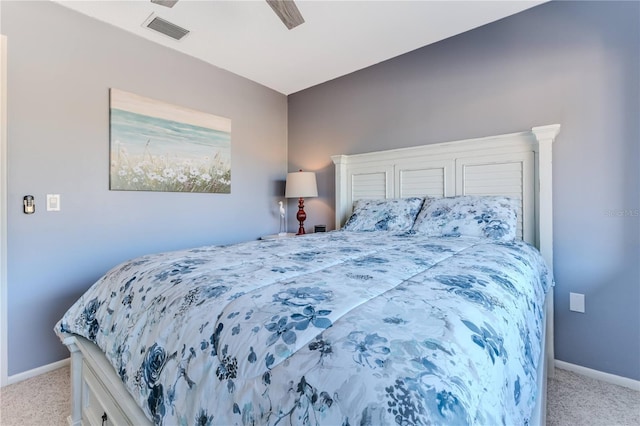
{"type": "Point", "coordinates": [53, 202]}
{"type": "Point", "coordinates": [576, 302]}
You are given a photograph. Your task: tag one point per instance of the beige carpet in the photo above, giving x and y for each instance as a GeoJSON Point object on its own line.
{"type": "Point", "coordinates": [39, 401]}
{"type": "Point", "coordinates": [573, 400]}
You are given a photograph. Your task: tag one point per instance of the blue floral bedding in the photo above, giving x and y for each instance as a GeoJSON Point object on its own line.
{"type": "Point", "coordinates": [336, 328]}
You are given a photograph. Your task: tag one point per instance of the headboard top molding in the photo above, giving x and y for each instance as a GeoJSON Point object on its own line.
{"type": "Point", "coordinates": [511, 141]}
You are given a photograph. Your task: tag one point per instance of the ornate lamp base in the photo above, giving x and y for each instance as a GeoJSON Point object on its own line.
{"type": "Point", "coordinates": [301, 216]}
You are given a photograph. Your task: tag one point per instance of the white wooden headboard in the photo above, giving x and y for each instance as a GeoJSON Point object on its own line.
{"type": "Point", "coordinates": [517, 165]}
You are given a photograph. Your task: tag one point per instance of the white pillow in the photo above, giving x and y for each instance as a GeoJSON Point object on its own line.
{"type": "Point", "coordinates": [384, 215]}
{"type": "Point", "coordinates": [493, 217]}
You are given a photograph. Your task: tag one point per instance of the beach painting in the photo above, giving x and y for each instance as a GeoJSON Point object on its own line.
{"type": "Point", "coordinates": [156, 146]}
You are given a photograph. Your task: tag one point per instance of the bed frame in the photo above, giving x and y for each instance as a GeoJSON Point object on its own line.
{"type": "Point", "coordinates": [517, 164]}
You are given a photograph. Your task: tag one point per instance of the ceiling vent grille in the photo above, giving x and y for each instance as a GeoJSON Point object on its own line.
{"type": "Point", "coordinates": [167, 3]}
{"type": "Point", "coordinates": [165, 27]}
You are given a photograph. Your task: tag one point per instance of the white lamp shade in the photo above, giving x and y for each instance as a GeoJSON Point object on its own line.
{"type": "Point", "coordinates": [301, 185]}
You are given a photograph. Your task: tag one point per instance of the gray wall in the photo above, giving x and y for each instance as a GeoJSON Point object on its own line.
{"type": "Point", "coordinates": [60, 68]}
{"type": "Point", "coordinates": [573, 63]}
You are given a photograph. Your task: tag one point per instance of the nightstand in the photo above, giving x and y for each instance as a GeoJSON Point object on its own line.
{"type": "Point", "coordinates": [277, 236]}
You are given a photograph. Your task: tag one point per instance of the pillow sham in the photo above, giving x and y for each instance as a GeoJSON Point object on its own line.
{"type": "Point", "coordinates": [493, 217]}
{"type": "Point", "coordinates": [396, 214]}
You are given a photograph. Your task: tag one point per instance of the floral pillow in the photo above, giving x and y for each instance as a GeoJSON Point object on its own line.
{"type": "Point", "coordinates": [492, 217]}
{"type": "Point", "coordinates": [384, 215]}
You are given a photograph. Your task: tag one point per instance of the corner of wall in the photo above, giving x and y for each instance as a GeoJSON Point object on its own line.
{"type": "Point", "coordinates": [3, 211]}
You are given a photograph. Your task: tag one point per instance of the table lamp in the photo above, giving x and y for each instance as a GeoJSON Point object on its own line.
{"type": "Point", "coordinates": [300, 185]}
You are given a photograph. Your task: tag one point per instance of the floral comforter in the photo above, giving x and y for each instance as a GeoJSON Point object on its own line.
{"type": "Point", "coordinates": [336, 328]}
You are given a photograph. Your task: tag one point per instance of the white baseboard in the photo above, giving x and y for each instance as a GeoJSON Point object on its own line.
{"type": "Point", "coordinates": [37, 371]}
{"type": "Point", "coordinates": [599, 375]}
{"type": "Point", "coordinates": [594, 374]}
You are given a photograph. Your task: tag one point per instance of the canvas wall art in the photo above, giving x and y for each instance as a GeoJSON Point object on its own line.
{"type": "Point", "coordinates": [156, 146]}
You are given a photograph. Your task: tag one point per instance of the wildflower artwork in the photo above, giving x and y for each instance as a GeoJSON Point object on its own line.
{"type": "Point", "coordinates": [156, 146]}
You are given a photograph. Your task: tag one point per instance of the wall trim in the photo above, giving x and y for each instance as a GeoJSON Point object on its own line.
{"type": "Point", "coordinates": [563, 365]}
{"type": "Point", "coordinates": [38, 371]}
{"type": "Point", "coordinates": [588, 372]}
{"type": "Point", "coordinates": [599, 375]}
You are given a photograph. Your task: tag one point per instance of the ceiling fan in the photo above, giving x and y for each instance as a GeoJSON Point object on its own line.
{"type": "Point", "coordinates": [286, 10]}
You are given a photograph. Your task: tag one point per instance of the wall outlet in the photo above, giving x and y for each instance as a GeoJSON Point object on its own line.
{"type": "Point", "coordinates": [576, 302]}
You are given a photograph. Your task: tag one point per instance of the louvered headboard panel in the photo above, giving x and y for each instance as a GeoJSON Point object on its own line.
{"type": "Point", "coordinates": [369, 185]}
{"type": "Point", "coordinates": [496, 165]}
{"type": "Point", "coordinates": [418, 183]}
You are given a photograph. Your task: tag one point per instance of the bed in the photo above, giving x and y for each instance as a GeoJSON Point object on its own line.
{"type": "Point", "coordinates": [413, 321]}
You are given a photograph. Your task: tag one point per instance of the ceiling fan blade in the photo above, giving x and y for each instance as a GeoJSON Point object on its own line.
{"type": "Point", "coordinates": [287, 11]}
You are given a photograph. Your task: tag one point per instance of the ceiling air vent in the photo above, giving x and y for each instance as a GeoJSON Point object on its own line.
{"type": "Point", "coordinates": [167, 3]}
{"type": "Point", "coordinates": [165, 27]}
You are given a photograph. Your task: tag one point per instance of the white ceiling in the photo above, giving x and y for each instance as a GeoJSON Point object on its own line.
{"type": "Point", "coordinates": [338, 37]}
